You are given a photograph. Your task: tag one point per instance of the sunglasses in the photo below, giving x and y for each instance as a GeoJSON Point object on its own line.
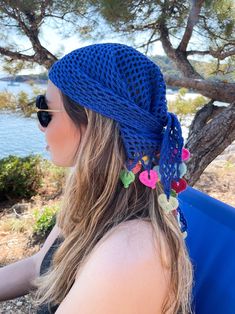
{"type": "Point", "coordinates": [43, 113]}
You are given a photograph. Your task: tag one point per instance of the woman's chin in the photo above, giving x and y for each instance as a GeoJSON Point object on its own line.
{"type": "Point", "coordinates": [60, 163]}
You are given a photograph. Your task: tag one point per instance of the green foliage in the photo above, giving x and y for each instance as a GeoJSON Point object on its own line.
{"type": "Point", "coordinates": [38, 91]}
{"type": "Point", "coordinates": [32, 78]}
{"type": "Point", "coordinates": [45, 220]}
{"type": "Point", "coordinates": [20, 177]}
{"type": "Point", "coordinates": [214, 29]}
{"type": "Point", "coordinates": [27, 105]}
{"type": "Point", "coordinates": [53, 177]}
{"type": "Point", "coordinates": [112, 9]}
{"type": "Point", "coordinates": [183, 91]}
{"type": "Point", "coordinates": [23, 103]}
{"type": "Point", "coordinates": [225, 12]}
{"type": "Point", "coordinates": [13, 67]}
{"type": "Point", "coordinates": [182, 106]}
{"type": "Point", "coordinates": [166, 65]}
{"type": "Point", "coordinates": [211, 70]}
{"type": "Point", "coordinates": [229, 164]}
{"type": "Point", "coordinates": [7, 101]}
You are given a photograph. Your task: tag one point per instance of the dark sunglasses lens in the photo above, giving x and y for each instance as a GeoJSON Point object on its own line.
{"type": "Point", "coordinates": [41, 102]}
{"type": "Point", "coordinates": [44, 117]}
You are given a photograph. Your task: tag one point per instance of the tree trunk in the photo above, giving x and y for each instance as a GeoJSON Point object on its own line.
{"type": "Point", "coordinates": [177, 56]}
{"type": "Point", "coordinates": [212, 130]}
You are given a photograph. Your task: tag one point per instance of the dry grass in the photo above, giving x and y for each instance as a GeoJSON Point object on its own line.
{"type": "Point", "coordinates": [218, 181]}
{"type": "Point", "coordinates": [16, 230]}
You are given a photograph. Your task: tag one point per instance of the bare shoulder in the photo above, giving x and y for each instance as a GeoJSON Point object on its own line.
{"type": "Point", "coordinates": [132, 240]}
{"type": "Point", "coordinates": [123, 274]}
{"type": "Point", "coordinates": [131, 244]}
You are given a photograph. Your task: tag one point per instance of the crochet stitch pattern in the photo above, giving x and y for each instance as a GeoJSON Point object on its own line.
{"type": "Point", "coordinates": [121, 83]}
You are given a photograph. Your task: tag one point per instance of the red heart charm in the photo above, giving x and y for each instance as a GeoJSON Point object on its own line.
{"type": "Point", "coordinates": [179, 186]}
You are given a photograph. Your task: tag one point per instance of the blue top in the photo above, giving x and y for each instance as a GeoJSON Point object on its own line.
{"type": "Point", "coordinates": [210, 241]}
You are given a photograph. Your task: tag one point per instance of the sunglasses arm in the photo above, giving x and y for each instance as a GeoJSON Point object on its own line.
{"type": "Point", "coordinates": [48, 110]}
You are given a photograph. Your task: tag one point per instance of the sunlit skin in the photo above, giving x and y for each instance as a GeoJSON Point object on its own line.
{"type": "Point", "coordinates": [61, 134]}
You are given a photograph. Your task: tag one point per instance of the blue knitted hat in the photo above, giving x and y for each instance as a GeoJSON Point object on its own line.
{"type": "Point", "coordinates": [120, 83]}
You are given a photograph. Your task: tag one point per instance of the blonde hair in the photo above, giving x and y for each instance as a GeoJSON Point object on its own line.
{"type": "Point", "coordinates": [95, 201]}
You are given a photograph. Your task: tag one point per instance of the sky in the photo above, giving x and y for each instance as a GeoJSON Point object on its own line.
{"type": "Point", "coordinates": [51, 39]}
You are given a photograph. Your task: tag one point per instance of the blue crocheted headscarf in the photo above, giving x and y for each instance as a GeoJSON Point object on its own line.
{"type": "Point", "coordinates": [120, 83]}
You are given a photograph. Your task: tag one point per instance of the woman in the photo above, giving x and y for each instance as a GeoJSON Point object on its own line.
{"type": "Point", "coordinates": [119, 236]}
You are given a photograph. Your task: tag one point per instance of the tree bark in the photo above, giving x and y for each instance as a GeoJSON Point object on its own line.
{"type": "Point", "coordinates": [177, 56]}
{"type": "Point", "coordinates": [220, 91]}
{"type": "Point", "coordinates": [29, 23]}
{"type": "Point", "coordinates": [42, 56]}
{"type": "Point", "coordinates": [212, 130]}
{"type": "Point", "coordinates": [192, 21]}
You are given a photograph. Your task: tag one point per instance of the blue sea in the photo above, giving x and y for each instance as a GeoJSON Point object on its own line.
{"type": "Point", "coordinates": [20, 135]}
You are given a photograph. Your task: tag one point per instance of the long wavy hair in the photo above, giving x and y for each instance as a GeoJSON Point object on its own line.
{"type": "Point", "coordinates": [94, 201]}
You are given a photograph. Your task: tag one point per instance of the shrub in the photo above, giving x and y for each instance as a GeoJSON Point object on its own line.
{"type": "Point", "coordinates": [7, 101]}
{"type": "Point", "coordinates": [45, 221]}
{"type": "Point", "coordinates": [20, 177]}
{"type": "Point", "coordinates": [183, 91]}
{"type": "Point", "coordinates": [12, 224]}
{"type": "Point", "coordinates": [25, 104]}
{"type": "Point", "coordinates": [53, 178]}
{"type": "Point", "coordinates": [182, 106]}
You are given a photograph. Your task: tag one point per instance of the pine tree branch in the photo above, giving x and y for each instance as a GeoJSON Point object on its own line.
{"type": "Point", "coordinates": [192, 21]}
{"type": "Point", "coordinates": [16, 55]}
{"type": "Point", "coordinates": [221, 55]}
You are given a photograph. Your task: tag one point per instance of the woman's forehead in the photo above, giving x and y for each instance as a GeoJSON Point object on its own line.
{"type": "Point", "coordinates": [53, 96]}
